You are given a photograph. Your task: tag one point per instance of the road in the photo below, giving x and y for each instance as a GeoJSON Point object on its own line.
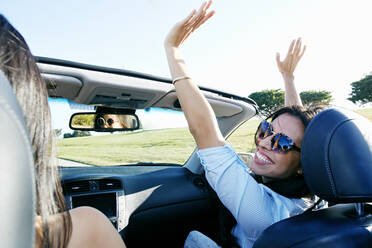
{"type": "Point", "coordinates": [69, 163]}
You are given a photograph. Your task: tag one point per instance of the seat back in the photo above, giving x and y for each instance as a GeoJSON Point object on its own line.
{"type": "Point", "coordinates": [336, 160]}
{"type": "Point", "coordinates": [17, 191]}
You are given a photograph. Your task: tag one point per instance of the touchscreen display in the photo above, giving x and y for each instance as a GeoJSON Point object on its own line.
{"type": "Point", "coordinates": [106, 203]}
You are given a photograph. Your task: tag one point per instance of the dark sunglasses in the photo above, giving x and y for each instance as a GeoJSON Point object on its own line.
{"type": "Point", "coordinates": [110, 121]}
{"type": "Point", "coordinates": [101, 121]}
{"type": "Point", "coordinates": [280, 142]}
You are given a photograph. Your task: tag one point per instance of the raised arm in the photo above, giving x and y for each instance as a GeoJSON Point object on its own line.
{"type": "Point", "coordinates": [199, 114]}
{"type": "Point", "coordinates": [287, 67]}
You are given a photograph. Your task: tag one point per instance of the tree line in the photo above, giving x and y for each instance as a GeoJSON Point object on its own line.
{"type": "Point", "coordinates": [361, 91]}
{"type": "Point", "coordinates": [272, 99]}
{"type": "Point", "coordinates": [76, 133]}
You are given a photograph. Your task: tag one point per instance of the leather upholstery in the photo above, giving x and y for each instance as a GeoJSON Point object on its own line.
{"type": "Point", "coordinates": [17, 192]}
{"type": "Point", "coordinates": [334, 227]}
{"type": "Point", "coordinates": [337, 156]}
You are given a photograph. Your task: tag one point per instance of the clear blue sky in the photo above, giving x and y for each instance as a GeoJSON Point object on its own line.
{"type": "Point", "coordinates": [234, 51]}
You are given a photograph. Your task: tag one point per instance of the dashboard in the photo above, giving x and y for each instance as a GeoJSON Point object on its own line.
{"type": "Point", "coordinates": [162, 203]}
{"type": "Point", "coordinates": [100, 188]}
{"type": "Point", "coordinates": [104, 194]}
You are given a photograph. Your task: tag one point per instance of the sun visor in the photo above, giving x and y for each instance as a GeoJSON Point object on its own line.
{"type": "Point", "coordinates": [62, 86]}
{"type": "Point", "coordinates": [221, 106]}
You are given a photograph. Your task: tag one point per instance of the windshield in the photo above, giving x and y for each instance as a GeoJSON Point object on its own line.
{"type": "Point", "coordinates": [162, 132]}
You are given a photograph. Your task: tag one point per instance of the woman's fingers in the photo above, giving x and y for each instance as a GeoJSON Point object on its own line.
{"type": "Point", "coordinates": [194, 21]}
{"type": "Point", "coordinates": [197, 16]}
{"type": "Point", "coordinates": [299, 52]}
{"type": "Point", "coordinates": [187, 20]}
{"type": "Point", "coordinates": [200, 16]}
{"type": "Point", "coordinates": [209, 15]}
{"type": "Point", "coordinates": [303, 51]}
{"type": "Point", "coordinates": [278, 62]}
{"type": "Point", "coordinates": [294, 54]}
{"type": "Point", "coordinates": [290, 49]}
{"type": "Point", "coordinates": [208, 4]}
{"type": "Point", "coordinates": [182, 30]}
{"type": "Point", "coordinates": [297, 47]}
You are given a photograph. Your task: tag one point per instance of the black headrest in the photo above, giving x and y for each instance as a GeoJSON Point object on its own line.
{"type": "Point", "coordinates": [17, 193]}
{"type": "Point", "coordinates": [336, 156]}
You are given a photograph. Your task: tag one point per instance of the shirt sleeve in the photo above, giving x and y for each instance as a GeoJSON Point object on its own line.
{"type": "Point", "coordinates": [253, 205]}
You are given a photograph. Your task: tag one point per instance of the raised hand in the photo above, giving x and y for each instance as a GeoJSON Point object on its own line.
{"type": "Point", "coordinates": [199, 114]}
{"type": "Point", "coordinates": [287, 67]}
{"type": "Point", "coordinates": [181, 30]}
{"type": "Point", "coordinates": [295, 53]}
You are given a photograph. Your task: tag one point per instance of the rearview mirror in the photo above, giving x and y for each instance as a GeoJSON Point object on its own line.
{"type": "Point", "coordinates": [104, 122]}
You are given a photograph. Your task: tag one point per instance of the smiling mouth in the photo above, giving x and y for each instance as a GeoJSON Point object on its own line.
{"type": "Point", "coordinates": [261, 159]}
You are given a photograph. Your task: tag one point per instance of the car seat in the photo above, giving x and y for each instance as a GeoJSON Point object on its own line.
{"type": "Point", "coordinates": [17, 191]}
{"type": "Point", "coordinates": [336, 159]}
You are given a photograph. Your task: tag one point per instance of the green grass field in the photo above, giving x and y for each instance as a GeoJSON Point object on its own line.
{"type": "Point", "coordinates": [168, 146]}
{"type": "Point", "coordinates": [366, 112]}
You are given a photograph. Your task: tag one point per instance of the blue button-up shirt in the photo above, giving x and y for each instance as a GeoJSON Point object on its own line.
{"type": "Point", "coordinates": [254, 206]}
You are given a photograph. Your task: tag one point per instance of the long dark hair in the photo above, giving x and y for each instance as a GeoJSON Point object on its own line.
{"type": "Point", "coordinates": [53, 223]}
{"type": "Point", "coordinates": [292, 187]}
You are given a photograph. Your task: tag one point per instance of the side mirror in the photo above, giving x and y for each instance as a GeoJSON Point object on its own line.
{"type": "Point", "coordinates": [246, 157]}
{"type": "Point", "coordinates": [104, 122]}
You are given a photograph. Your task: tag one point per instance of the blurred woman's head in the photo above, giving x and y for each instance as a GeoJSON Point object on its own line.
{"type": "Point", "coordinates": [19, 66]}
{"type": "Point", "coordinates": [113, 121]}
{"type": "Point", "coordinates": [278, 144]}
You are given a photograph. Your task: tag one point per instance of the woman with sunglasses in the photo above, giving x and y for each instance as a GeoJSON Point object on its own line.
{"type": "Point", "coordinates": [275, 189]}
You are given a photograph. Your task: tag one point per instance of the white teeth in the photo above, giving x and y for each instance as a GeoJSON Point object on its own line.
{"type": "Point", "coordinates": [262, 158]}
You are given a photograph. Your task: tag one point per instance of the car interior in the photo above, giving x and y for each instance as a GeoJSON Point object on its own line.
{"type": "Point", "coordinates": [161, 203]}
{"type": "Point", "coordinates": [157, 205]}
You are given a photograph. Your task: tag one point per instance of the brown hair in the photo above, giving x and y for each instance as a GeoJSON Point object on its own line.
{"type": "Point", "coordinates": [53, 223]}
{"type": "Point", "coordinates": [305, 114]}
